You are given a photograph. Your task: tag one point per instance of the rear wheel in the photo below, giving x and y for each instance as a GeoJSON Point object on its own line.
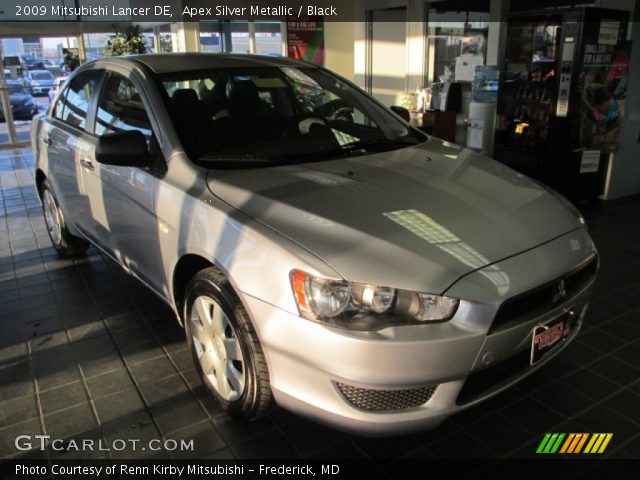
{"type": "Point", "coordinates": [64, 242]}
{"type": "Point", "coordinates": [225, 347]}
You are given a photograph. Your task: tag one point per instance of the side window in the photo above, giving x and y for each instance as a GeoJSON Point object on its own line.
{"type": "Point", "coordinates": [74, 104]}
{"type": "Point", "coordinates": [58, 108]}
{"type": "Point", "coordinates": [121, 108]}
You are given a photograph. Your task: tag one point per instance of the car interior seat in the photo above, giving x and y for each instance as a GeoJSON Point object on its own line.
{"type": "Point", "coordinates": [195, 121]}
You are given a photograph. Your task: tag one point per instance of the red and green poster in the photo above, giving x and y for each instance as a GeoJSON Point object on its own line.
{"type": "Point", "coordinates": [305, 39]}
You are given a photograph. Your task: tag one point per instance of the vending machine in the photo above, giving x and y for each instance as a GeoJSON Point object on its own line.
{"type": "Point", "coordinates": [561, 96]}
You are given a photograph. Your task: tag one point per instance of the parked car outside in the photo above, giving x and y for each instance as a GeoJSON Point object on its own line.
{"type": "Point", "coordinates": [40, 81]}
{"type": "Point", "coordinates": [23, 105]}
{"type": "Point", "coordinates": [57, 84]}
{"type": "Point", "coordinates": [319, 252]}
{"type": "Point", "coordinates": [31, 63]}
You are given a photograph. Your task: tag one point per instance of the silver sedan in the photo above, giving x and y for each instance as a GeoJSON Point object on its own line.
{"type": "Point", "coordinates": [320, 252]}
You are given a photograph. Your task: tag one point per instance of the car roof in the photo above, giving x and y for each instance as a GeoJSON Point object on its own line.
{"type": "Point", "coordinates": [180, 62]}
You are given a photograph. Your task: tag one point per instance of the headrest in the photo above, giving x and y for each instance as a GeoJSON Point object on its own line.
{"type": "Point", "coordinates": [185, 95]}
{"type": "Point", "coordinates": [243, 94]}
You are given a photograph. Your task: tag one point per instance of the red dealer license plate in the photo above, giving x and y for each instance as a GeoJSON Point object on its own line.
{"type": "Point", "coordinates": [546, 338]}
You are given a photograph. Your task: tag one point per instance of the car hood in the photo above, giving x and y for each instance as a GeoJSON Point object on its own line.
{"type": "Point", "coordinates": [417, 218]}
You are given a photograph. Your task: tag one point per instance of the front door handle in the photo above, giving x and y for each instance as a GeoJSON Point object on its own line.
{"type": "Point", "coordinates": [88, 164]}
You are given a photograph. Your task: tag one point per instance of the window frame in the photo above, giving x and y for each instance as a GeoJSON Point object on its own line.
{"type": "Point", "coordinates": [90, 116]}
{"type": "Point", "coordinates": [131, 79]}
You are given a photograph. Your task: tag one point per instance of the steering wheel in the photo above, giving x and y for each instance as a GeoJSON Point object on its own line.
{"type": "Point", "coordinates": [344, 113]}
{"type": "Point", "coordinates": [302, 124]}
{"type": "Point", "coordinates": [337, 110]}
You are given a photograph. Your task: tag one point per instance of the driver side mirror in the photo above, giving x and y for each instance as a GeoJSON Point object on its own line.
{"type": "Point", "coordinates": [123, 149]}
{"type": "Point", "coordinates": [402, 112]}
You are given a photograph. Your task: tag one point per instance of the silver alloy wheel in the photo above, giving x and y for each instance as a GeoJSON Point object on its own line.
{"type": "Point", "coordinates": [52, 217]}
{"type": "Point", "coordinates": [217, 348]}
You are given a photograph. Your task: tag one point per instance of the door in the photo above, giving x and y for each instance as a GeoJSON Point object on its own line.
{"type": "Point", "coordinates": [121, 197]}
{"type": "Point", "coordinates": [68, 146]}
{"type": "Point", "coordinates": [388, 59]}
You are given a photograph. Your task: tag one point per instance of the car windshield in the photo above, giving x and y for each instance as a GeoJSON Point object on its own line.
{"type": "Point", "coordinates": [242, 117]}
{"type": "Point", "coordinates": [41, 76]}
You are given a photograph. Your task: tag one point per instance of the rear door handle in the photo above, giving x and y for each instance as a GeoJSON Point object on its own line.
{"type": "Point", "coordinates": [88, 164]}
{"type": "Point", "coordinates": [47, 141]}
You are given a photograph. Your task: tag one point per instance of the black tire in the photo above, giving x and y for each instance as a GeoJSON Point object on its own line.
{"type": "Point", "coordinates": [256, 397]}
{"type": "Point", "coordinates": [65, 243]}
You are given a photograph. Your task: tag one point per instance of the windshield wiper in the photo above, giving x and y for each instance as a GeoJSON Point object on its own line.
{"type": "Point", "coordinates": [377, 145]}
{"type": "Point", "coordinates": [374, 144]}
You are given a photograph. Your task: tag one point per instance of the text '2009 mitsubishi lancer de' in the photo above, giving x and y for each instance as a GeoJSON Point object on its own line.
{"type": "Point", "coordinates": [319, 251]}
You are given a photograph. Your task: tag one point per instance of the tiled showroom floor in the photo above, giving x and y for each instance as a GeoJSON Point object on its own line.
{"type": "Point", "coordinates": [87, 352]}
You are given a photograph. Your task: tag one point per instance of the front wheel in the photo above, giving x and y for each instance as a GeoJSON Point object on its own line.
{"type": "Point", "coordinates": [225, 347]}
{"type": "Point", "coordinates": [64, 242]}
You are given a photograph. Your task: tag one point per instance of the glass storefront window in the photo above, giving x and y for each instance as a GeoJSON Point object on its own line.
{"type": "Point", "coordinates": [455, 35]}
{"type": "Point", "coordinates": [166, 42]}
{"type": "Point", "coordinates": [240, 42]}
{"type": "Point", "coordinates": [95, 44]}
{"type": "Point", "coordinates": [238, 37]}
{"type": "Point", "coordinates": [211, 37]}
{"type": "Point", "coordinates": [149, 41]}
{"type": "Point", "coordinates": [31, 82]}
{"type": "Point", "coordinates": [268, 38]}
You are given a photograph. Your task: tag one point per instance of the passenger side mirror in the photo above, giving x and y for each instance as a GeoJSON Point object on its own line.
{"type": "Point", "coordinates": [401, 112]}
{"type": "Point", "coordinates": [123, 149]}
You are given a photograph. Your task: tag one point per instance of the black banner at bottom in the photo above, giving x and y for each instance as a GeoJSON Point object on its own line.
{"type": "Point", "coordinates": [26, 469]}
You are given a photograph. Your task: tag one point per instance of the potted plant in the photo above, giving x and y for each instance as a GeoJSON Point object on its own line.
{"type": "Point", "coordinates": [127, 41]}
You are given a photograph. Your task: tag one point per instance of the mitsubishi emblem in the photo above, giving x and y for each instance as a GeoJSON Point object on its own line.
{"type": "Point", "coordinates": [561, 292]}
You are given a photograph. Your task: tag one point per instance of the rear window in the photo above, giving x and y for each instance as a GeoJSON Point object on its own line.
{"type": "Point", "coordinates": [42, 76]}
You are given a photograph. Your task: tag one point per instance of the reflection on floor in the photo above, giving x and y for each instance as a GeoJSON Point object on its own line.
{"type": "Point", "coordinates": [86, 352]}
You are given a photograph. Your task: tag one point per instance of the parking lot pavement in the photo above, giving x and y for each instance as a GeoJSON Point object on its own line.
{"type": "Point", "coordinates": [87, 353]}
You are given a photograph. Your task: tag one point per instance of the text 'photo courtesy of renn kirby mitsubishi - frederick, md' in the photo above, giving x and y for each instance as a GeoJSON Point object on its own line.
{"type": "Point", "coordinates": [365, 239]}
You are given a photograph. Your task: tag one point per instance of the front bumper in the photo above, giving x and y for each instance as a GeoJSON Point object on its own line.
{"type": "Point", "coordinates": [309, 363]}
{"type": "Point", "coordinates": [42, 90]}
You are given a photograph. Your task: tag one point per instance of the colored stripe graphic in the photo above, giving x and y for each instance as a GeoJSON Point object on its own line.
{"type": "Point", "coordinates": [550, 443]}
{"type": "Point", "coordinates": [573, 443]}
{"type": "Point", "coordinates": [544, 441]}
{"type": "Point", "coordinates": [592, 442]}
{"type": "Point", "coordinates": [556, 445]}
{"type": "Point", "coordinates": [598, 442]}
{"type": "Point", "coordinates": [606, 441]}
{"type": "Point", "coordinates": [567, 443]}
{"type": "Point", "coordinates": [581, 442]}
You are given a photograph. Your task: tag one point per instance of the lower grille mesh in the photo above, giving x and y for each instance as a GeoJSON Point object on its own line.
{"type": "Point", "coordinates": [386, 400]}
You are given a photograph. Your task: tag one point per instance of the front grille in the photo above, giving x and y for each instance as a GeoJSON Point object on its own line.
{"type": "Point", "coordinates": [386, 400]}
{"type": "Point", "coordinates": [539, 300]}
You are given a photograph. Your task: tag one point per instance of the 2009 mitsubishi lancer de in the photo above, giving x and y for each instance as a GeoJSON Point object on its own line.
{"type": "Point", "coordinates": [318, 250]}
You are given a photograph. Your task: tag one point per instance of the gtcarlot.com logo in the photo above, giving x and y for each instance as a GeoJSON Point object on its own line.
{"type": "Point", "coordinates": [573, 443]}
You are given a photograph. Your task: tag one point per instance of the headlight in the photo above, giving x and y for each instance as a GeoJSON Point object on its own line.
{"type": "Point", "coordinates": [357, 306]}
